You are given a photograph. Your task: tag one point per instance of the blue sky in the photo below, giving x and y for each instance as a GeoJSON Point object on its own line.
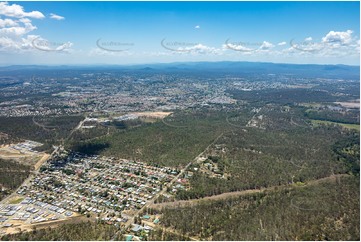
{"type": "Point", "coordinates": [153, 32]}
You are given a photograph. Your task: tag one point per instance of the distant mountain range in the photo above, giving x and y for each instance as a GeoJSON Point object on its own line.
{"type": "Point", "coordinates": [224, 67]}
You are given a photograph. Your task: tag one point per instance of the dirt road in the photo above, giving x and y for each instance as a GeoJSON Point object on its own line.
{"type": "Point", "coordinates": [192, 202]}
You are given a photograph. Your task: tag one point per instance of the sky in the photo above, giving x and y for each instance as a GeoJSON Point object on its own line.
{"type": "Point", "coordinates": [93, 33]}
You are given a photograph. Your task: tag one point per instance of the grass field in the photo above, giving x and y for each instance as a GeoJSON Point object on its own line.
{"type": "Point", "coordinates": [16, 200]}
{"type": "Point", "coordinates": [347, 126]}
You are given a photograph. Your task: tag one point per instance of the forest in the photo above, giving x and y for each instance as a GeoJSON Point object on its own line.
{"type": "Point", "coordinates": [161, 234]}
{"type": "Point", "coordinates": [85, 231]}
{"type": "Point", "coordinates": [327, 210]}
{"type": "Point", "coordinates": [12, 174]}
{"type": "Point", "coordinates": [278, 155]}
{"type": "Point", "coordinates": [6, 139]}
{"type": "Point", "coordinates": [172, 142]}
{"type": "Point", "coordinates": [48, 130]}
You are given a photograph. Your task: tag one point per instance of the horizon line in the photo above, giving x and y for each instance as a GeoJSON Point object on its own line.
{"type": "Point", "coordinates": [176, 62]}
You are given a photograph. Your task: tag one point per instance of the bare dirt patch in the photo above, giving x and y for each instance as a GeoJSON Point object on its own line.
{"type": "Point", "coordinates": [23, 157]}
{"type": "Point", "coordinates": [159, 115]}
{"type": "Point", "coordinates": [18, 226]}
{"type": "Point", "coordinates": [41, 161]}
{"type": "Point", "coordinates": [353, 104]}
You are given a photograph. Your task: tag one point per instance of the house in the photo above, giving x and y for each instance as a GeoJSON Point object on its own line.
{"type": "Point", "coordinates": [137, 228]}
{"type": "Point", "coordinates": [146, 217]}
{"type": "Point", "coordinates": [147, 228]}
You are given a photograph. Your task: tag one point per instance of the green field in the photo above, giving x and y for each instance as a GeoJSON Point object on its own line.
{"type": "Point", "coordinates": [16, 200]}
{"type": "Point", "coordinates": [348, 126]}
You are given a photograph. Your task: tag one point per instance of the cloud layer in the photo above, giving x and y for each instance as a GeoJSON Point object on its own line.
{"type": "Point", "coordinates": [17, 11]}
{"type": "Point", "coordinates": [15, 27]}
{"type": "Point", "coordinates": [17, 37]}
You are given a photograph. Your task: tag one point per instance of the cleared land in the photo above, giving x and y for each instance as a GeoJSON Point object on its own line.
{"type": "Point", "coordinates": [19, 226]}
{"type": "Point", "coordinates": [160, 115]}
{"type": "Point", "coordinates": [347, 126]}
{"type": "Point", "coordinates": [24, 157]}
{"type": "Point", "coordinates": [355, 104]}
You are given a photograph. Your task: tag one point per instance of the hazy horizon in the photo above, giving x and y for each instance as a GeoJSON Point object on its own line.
{"type": "Point", "coordinates": [173, 63]}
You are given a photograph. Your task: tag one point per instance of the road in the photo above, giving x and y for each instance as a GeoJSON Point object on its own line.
{"type": "Point", "coordinates": [75, 129]}
{"type": "Point", "coordinates": [35, 172]}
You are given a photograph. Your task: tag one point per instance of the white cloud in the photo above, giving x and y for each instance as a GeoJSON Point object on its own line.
{"type": "Point", "coordinates": [103, 52]}
{"type": "Point", "coordinates": [237, 47]}
{"type": "Point", "coordinates": [6, 43]}
{"type": "Point", "coordinates": [57, 17]}
{"type": "Point", "coordinates": [15, 31]}
{"type": "Point", "coordinates": [243, 46]}
{"type": "Point", "coordinates": [338, 38]}
{"type": "Point", "coordinates": [17, 11]}
{"type": "Point", "coordinates": [7, 23]}
{"type": "Point", "coordinates": [306, 46]}
{"type": "Point", "coordinates": [17, 45]}
{"type": "Point", "coordinates": [266, 45]}
{"type": "Point", "coordinates": [25, 20]}
{"type": "Point", "coordinates": [199, 49]}
{"type": "Point", "coordinates": [197, 27]}
{"type": "Point", "coordinates": [334, 44]}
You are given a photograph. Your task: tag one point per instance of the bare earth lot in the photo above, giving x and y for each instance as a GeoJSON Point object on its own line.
{"type": "Point", "coordinates": [24, 157]}
{"type": "Point", "coordinates": [160, 115]}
